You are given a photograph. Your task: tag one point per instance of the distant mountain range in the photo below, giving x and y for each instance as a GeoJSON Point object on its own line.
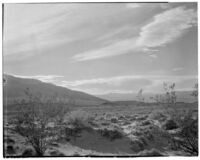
{"type": "Point", "coordinates": [14, 89]}
{"type": "Point", "coordinates": [182, 96]}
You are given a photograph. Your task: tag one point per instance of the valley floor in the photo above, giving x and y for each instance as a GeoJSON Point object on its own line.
{"type": "Point", "coordinates": [108, 131]}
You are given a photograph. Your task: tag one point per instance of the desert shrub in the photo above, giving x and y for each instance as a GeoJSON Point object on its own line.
{"type": "Point", "coordinates": [10, 149]}
{"type": "Point", "coordinates": [56, 153]}
{"type": "Point", "coordinates": [142, 118]}
{"type": "Point", "coordinates": [114, 120]}
{"type": "Point", "coordinates": [187, 138]}
{"type": "Point", "coordinates": [195, 91]}
{"type": "Point", "coordinates": [121, 118]}
{"type": "Point", "coordinates": [72, 132]}
{"type": "Point", "coordinates": [105, 123]}
{"type": "Point", "coordinates": [9, 141]}
{"type": "Point", "coordinates": [170, 124]}
{"type": "Point", "coordinates": [126, 122]}
{"type": "Point", "coordinates": [29, 152]}
{"type": "Point", "coordinates": [137, 145]}
{"type": "Point", "coordinates": [170, 94]}
{"type": "Point", "coordinates": [146, 122]}
{"type": "Point", "coordinates": [79, 119]}
{"type": "Point", "coordinates": [160, 116]}
{"type": "Point", "coordinates": [150, 136]}
{"type": "Point", "coordinates": [77, 122]}
{"type": "Point", "coordinates": [150, 153]}
{"type": "Point", "coordinates": [111, 134]}
{"type": "Point", "coordinates": [133, 118]}
{"type": "Point", "coordinates": [31, 122]}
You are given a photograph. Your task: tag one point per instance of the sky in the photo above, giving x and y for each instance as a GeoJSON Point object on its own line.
{"type": "Point", "coordinates": [103, 48]}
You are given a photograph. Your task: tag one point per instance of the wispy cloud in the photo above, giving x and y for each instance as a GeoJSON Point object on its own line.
{"type": "Point", "coordinates": [133, 5]}
{"type": "Point", "coordinates": [115, 81]}
{"type": "Point", "coordinates": [110, 80]}
{"type": "Point", "coordinates": [117, 48]}
{"type": "Point", "coordinates": [177, 69]}
{"type": "Point", "coordinates": [165, 28]}
{"type": "Point", "coordinates": [153, 55]}
{"type": "Point", "coordinates": [129, 83]}
{"type": "Point", "coordinates": [43, 78]}
{"type": "Point", "coordinates": [118, 84]}
{"type": "Point", "coordinates": [165, 5]}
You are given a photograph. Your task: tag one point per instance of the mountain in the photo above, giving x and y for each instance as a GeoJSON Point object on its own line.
{"type": "Point", "coordinates": [182, 96]}
{"type": "Point", "coordinates": [14, 89]}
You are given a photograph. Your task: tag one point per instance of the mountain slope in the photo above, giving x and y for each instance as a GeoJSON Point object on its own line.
{"type": "Point", "coordinates": [14, 89]}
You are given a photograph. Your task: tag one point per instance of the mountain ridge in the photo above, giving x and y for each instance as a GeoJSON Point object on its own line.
{"type": "Point", "coordinates": [14, 89]}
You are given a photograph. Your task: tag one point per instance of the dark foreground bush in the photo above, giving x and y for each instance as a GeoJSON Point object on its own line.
{"type": "Point", "coordinates": [10, 150]}
{"type": "Point", "coordinates": [187, 138]}
{"type": "Point", "coordinates": [32, 121]}
{"type": "Point", "coordinates": [170, 124]}
{"type": "Point", "coordinates": [29, 152]}
{"type": "Point", "coordinates": [111, 134]}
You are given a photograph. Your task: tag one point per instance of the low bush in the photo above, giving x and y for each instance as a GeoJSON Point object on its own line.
{"type": "Point", "coordinates": [160, 116]}
{"type": "Point", "coordinates": [146, 123]}
{"type": "Point", "coordinates": [10, 149]}
{"type": "Point", "coordinates": [114, 120]}
{"type": "Point", "coordinates": [29, 152]}
{"type": "Point", "coordinates": [137, 145]}
{"type": "Point", "coordinates": [111, 134]}
{"type": "Point", "coordinates": [187, 138]}
{"type": "Point", "coordinates": [56, 153]}
{"type": "Point", "coordinates": [79, 119]}
{"type": "Point", "coordinates": [170, 124]}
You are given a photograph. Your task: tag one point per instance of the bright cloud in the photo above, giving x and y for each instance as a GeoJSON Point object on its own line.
{"type": "Point", "coordinates": [112, 81]}
{"type": "Point", "coordinates": [118, 84]}
{"type": "Point", "coordinates": [165, 28]}
{"type": "Point", "coordinates": [43, 78]}
{"type": "Point", "coordinates": [133, 5]}
{"type": "Point", "coordinates": [118, 80]}
{"type": "Point", "coordinates": [128, 84]}
{"type": "Point", "coordinates": [177, 69]}
{"type": "Point", "coordinates": [115, 49]}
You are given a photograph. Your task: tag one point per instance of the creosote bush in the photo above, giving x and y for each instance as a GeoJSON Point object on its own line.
{"type": "Point", "coordinates": [78, 118]}
{"type": "Point", "coordinates": [32, 120]}
{"type": "Point", "coordinates": [187, 138]}
{"type": "Point", "coordinates": [111, 134]}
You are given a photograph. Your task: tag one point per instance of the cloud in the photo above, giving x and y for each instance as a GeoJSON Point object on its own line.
{"type": "Point", "coordinates": [33, 36]}
{"type": "Point", "coordinates": [153, 55]}
{"type": "Point", "coordinates": [133, 5]}
{"type": "Point", "coordinates": [118, 80]}
{"type": "Point", "coordinates": [110, 80]}
{"type": "Point", "coordinates": [177, 69]}
{"type": "Point", "coordinates": [165, 5]}
{"type": "Point", "coordinates": [117, 48]}
{"type": "Point", "coordinates": [165, 28]}
{"type": "Point", "coordinates": [129, 83]}
{"type": "Point", "coordinates": [99, 91]}
{"type": "Point", "coordinates": [119, 84]}
{"type": "Point", "coordinates": [43, 78]}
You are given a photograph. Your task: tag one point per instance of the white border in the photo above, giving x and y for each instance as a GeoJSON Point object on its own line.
{"type": "Point", "coordinates": [53, 1]}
